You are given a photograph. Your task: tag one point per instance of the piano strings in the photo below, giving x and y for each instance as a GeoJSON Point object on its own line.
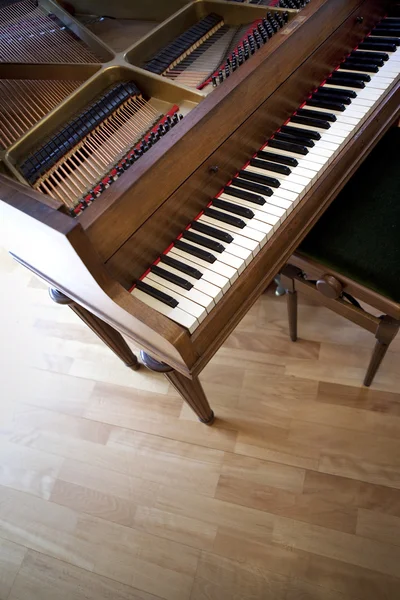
{"type": "Point", "coordinates": [77, 163]}
{"type": "Point", "coordinates": [25, 102]}
{"type": "Point", "coordinates": [29, 34]}
{"type": "Point", "coordinates": [210, 51]}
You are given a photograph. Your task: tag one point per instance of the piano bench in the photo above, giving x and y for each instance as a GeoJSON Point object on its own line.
{"type": "Point", "coordinates": [354, 252]}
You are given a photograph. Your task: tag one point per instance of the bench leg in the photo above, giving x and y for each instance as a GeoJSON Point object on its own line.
{"type": "Point", "coordinates": [291, 299]}
{"type": "Point", "coordinates": [190, 390]}
{"type": "Point", "coordinates": [103, 330]}
{"type": "Point", "coordinates": [386, 332]}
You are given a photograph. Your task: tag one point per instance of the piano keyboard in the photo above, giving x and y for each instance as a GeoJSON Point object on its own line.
{"type": "Point", "coordinates": [29, 34]}
{"type": "Point", "coordinates": [210, 51]}
{"type": "Point", "coordinates": [25, 102]}
{"type": "Point", "coordinates": [198, 268]}
{"type": "Point", "coordinates": [91, 151]}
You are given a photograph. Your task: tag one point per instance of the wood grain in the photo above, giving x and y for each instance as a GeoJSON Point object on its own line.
{"type": "Point", "coordinates": [110, 489]}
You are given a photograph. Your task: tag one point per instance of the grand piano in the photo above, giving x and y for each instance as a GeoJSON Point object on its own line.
{"type": "Point", "coordinates": [160, 161]}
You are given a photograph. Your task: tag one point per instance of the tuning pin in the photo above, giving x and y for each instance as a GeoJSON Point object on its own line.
{"type": "Point", "coordinates": [138, 152]}
{"type": "Point", "coordinates": [257, 38]}
{"type": "Point", "coordinates": [214, 81]}
{"type": "Point", "coordinates": [234, 62]}
{"type": "Point", "coordinates": [279, 19]}
{"type": "Point", "coordinates": [220, 76]}
{"type": "Point", "coordinates": [180, 116]}
{"type": "Point", "coordinates": [285, 16]}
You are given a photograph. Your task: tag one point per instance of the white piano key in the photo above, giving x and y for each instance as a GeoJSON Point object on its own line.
{"type": "Point", "coordinates": [193, 294]}
{"type": "Point", "coordinates": [345, 119]}
{"type": "Point", "coordinates": [301, 180]}
{"type": "Point", "coordinates": [217, 267]}
{"type": "Point", "coordinates": [310, 127]}
{"type": "Point", "coordinates": [332, 112]}
{"type": "Point", "coordinates": [281, 192]}
{"type": "Point", "coordinates": [261, 213]}
{"type": "Point", "coordinates": [224, 257]}
{"type": "Point", "coordinates": [211, 276]}
{"type": "Point", "coordinates": [253, 236]}
{"type": "Point", "coordinates": [380, 75]}
{"type": "Point", "coordinates": [231, 247]}
{"type": "Point", "coordinates": [199, 284]}
{"type": "Point", "coordinates": [192, 308]}
{"type": "Point", "coordinates": [175, 314]}
{"type": "Point", "coordinates": [264, 228]}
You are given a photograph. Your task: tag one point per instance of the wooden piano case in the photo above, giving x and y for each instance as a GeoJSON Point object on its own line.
{"type": "Point", "coordinates": [95, 257]}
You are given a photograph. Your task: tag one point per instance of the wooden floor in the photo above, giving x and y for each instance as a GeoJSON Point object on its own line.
{"type": "Point", "coordinates": [110, 489]}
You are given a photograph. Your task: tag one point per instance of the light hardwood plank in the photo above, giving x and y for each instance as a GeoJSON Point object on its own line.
{"type": "Point", "coordinates": [377, 526]}
{"type": "Point", "coordinates": [45, 578]}
{"type": "Point", "coordinates": [11, 557]}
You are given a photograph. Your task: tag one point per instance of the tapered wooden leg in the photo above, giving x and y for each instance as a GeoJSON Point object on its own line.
{"type": "Point", "coordinates": [385, 333]}
{"type": "Point", "coordinates": [190, 389]}
{"type": "Point", "coordinates": [105, 332]}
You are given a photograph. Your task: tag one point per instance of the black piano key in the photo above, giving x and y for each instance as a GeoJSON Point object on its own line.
{"type": "Point", "coordinates": [377, 47]}
{"type": "Point", "coordinates": [384, 40]}
{"type": "Point", "coordinates": [275, 158]}
{"type": "Point", "coordinates": [181, 266]}
{"type": "Point", "coordinates": [383, 32]}
{"type": "Point", "coordinates": [326, 104]}
{"type": "Point", "coordinates": [337, 92]}
{"type": "Point", "coordinates": [352, 76]}
{"type": "Point", "coordinates": [203, 241]}
{"type": "Point", "coordinates": [344, 100]}
{"type": "Point", "coordinates": [389, 21]}
{"type": "Point", "coordinates": [311, 122]}
{"type": "Point", "coordinates": [344, 82]}
{"type": "Point", "coordinates": [355, 66]}
{"type": "Point", "coordinates": [157, 294]}
{"type": "Point", "coordinates": [316, 114]}
{"type": "Point", "coordinates": [378, 62]}
{"type": "Point", "coordinates": [235, 209]}
{"type": "Point", "coordinates": [312, 135]}
{"type": "Point", "coordinates": [198, 252]}
{"type": "Point", "coordinates": [224, 218]}
{"type": "Point", "coordinates": [369, 55]}
{"type": "Point", "coordinates": [218, 234]}
{"type": "Point", "coordinates": [286, 137]}
{"type": "Point", "coordinates": [243, 195]}
{"type": "Point", "coordinates": [168, 276]}
{"type": "Point", "coordinates": [253, 187]}
{"type": "Point", "coordinates": [288, 147]}
{"type": "Point", "coordinates": [267, 179]}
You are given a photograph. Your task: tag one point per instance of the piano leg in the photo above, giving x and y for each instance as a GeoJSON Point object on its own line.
{"type": "Point", "coordinates": [190, 389]}
{"type": "Point", "coordinates": [105, 332]}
